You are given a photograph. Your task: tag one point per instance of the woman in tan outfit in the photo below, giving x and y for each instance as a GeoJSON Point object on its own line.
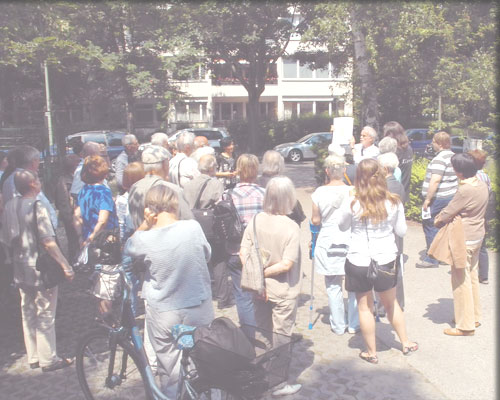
{"type": "Point", "coordinates": [470, 203]}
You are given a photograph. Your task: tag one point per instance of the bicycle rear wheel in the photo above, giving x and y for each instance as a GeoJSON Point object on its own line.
{"type": "Point", "coordinates": [127, 380]}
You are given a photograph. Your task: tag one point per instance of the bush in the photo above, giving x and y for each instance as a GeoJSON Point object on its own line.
{"type": "Point", "coordinates": [491, 234]}
{"type": "Point", "coordinates": [413, 208]}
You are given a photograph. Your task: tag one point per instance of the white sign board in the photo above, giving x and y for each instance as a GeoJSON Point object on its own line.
{"type": "Point", "coordinates": [343, 130]}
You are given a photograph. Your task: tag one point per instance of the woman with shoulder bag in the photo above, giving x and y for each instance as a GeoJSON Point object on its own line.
{"type": "Point", "coordinates": [279, 240]}
{"type": "Point", "coordinates": [375, 217]}
{"type": "Point", "coordinates": [26, 241]}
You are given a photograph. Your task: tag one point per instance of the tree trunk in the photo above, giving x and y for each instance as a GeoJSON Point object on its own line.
{"type": "Point", "coordinates": [253, 118]}
{"type": "Point", "coordinates": [369, 113]}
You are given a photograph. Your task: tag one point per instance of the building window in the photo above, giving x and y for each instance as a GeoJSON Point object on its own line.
{"type": "Point", "coordinates": [323, 107]}
{"type": "Point", "coordinates": [305, 107]}
{"type": "Point", "coordinates": [181, 112]}
{"type": "Point", "coordinates": [289, 68]}
{"type": "Point", "coordinates": [305, 71]}
{"type": "Point", "coordinates": [293, 69]}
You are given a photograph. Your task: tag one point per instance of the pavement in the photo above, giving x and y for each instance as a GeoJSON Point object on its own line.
{"type": "Point", "coordinates": [327, 365]}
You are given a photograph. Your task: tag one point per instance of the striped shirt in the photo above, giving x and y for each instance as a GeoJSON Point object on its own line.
{"type": "Point", "coordinates": [483, 176]}
{"type": "Point", "coordinates": [441, 165]}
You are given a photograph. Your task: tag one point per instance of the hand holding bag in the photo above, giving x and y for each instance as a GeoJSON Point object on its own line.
{"type": "Point", "coordinates": [51, 272]}
{"type": "Point", "coordinates": [252, 273]}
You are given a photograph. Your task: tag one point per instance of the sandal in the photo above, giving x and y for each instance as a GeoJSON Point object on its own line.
{"type": "Point", "coordinates": [371, 359]}
{"type": "Point", "coordinates": [410, 349]}
{"type": "Point", "coordinates": [62, 363]}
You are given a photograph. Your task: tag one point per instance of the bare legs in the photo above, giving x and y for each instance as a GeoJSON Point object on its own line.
{"type": "Point", "coordinates": [394, 314]}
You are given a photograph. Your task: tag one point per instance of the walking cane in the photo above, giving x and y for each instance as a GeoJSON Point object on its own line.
{"type": "Point", "coordinates": [314, 231]}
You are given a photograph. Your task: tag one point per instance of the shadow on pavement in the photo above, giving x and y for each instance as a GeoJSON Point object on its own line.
{"type": "Point", "coordinates": [440, 312]}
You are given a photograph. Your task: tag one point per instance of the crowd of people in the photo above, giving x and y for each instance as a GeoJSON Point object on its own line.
{"type": "Point", "coordinates": [359, 212]}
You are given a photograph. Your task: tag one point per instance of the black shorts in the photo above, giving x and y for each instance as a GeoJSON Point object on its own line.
{"type": "Point", "coordinates": [356, 280]}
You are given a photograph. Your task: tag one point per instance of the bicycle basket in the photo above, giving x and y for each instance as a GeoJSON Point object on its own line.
{"type": "Point", "coordinates": [242, 376]}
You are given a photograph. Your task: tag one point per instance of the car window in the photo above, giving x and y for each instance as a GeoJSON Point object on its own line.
{"type": "Point", "coordinates": [457, 141]}
{"type": "Point", "coordinates": [304, 138]}
{"type": "Point", "coordinates": [210, 135]}
{"type": "Point", "coordinates": [115, 141]}
{"type": "Point", "coordinates": [94, 137]}
{"type": "Point", "coordinates": [416, 136]}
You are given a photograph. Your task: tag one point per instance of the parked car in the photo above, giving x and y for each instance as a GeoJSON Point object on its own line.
{"type": "Point", "coordinates": [112, 140]}
{"type": "Point", "coordinates": [212, 134]}
{"type": "Point", "coordinates": [303, 148]}
{"type": "Point", "coordinates": [419, 139]}
{"type": "Point", "coordinates": [457, 146]}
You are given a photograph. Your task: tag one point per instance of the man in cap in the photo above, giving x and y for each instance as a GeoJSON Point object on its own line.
{"type": "Point", "coordinates": [155, 160]}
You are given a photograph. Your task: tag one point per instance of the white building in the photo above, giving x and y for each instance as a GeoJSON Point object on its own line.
{"type": "Point", "coordinates": [291, 90]}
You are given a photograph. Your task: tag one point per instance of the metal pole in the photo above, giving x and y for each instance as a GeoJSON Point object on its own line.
{"type": "Point", "coordinates": [48, 114]}
{"type": "Point", "coordinates": [439, 109]}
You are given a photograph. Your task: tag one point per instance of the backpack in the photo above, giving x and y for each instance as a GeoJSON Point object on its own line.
{"type": "Point", "coordinates": [227, 224]}
{"type": "Point", "coordinates": [204, 216]}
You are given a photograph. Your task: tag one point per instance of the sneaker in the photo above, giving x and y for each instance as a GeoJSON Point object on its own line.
{"type": "Point", "coordinates": [483, 281]}
{"type": "Point", "coordinates": [426, 264]}
{"type": "Point", "coordinates": [287, 390]}
{"type": "Point", "coordinates": [352, 331]}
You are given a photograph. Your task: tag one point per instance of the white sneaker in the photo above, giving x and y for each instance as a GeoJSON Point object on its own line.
{"type": "Point", "coordinates": [352, 331]}
{"type": "Point", "coordinates": [287, 390]}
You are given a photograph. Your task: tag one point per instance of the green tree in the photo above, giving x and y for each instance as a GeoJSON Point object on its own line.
{"type": "Point", "coordinates": [255, 34]}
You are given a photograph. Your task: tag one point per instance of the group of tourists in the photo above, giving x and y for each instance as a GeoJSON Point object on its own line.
{"type": "Point", "coordinates": [178, 270]}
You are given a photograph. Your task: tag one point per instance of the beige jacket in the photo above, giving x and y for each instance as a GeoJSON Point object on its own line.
{"type": "Point", "coordinates": [449, 244]}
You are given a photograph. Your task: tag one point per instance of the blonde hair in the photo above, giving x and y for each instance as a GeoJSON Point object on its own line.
{"type": "Point", "coordinates": [371, 192]}
{"type": "Point", "coordinates": [443, 139]}
{"type": "Point", "coordinates": [161, 198]}
{"type": "Point", "coordinates": [248, 167]}
{"type": "Point", "coordinates": [279, 198]}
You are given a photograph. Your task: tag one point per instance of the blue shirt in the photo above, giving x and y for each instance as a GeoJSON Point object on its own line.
{"type": "Point", "coordinates": [91, 200]}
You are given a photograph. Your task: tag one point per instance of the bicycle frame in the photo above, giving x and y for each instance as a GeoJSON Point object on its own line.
{"type": "Point", "coordinates": [128, 330]}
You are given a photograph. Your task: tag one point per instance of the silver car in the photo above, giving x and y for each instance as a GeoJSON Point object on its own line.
{"type": "Point", "coordinates": [303, 148]}
{"type": "Point", "coordinates": [212, 134]}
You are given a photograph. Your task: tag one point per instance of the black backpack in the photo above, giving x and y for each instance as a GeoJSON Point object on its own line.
{"type": "Point", "coordinates": [227, 224]}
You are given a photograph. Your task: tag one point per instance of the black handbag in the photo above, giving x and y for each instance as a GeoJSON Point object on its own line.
{"type": "Point", "coordinates": [204, 216]}
{"type": "Point", "coordinates": [51, 272]}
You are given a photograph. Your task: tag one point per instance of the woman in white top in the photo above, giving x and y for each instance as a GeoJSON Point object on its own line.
{"type": "Point", "coordinates": [375, 216]}
{"type": "Point", "coordinates": [332, 244]}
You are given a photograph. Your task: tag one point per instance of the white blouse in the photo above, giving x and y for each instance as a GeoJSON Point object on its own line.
{"type": "Point", "coordinates": [369, 241]}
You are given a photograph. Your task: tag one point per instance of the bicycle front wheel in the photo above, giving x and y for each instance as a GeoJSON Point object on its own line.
{"type": "Point", "coordinates": [98, 381]}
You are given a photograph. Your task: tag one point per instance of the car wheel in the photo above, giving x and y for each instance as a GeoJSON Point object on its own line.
{"type": "Point", "coordinates": [295, 155]}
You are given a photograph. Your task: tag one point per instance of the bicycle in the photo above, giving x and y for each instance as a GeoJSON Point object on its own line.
{"type": "Point", "coordinates": [111, 363]}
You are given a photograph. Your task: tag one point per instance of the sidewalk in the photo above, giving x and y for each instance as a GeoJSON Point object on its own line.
{"type": "Point", "coordinates": [328, 366]}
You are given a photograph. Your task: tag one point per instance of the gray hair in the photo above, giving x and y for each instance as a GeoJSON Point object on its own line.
{"type": "Point", "coordinates": [161, 198]}
{"type": "Point", "coordinates": [23, 180]}
{"type": "Point", "coordinates": [279, 198]}
{"type": "Point", "coordinates": [335, 165]}
{"type": "Point", "coordinates": [129, 139]}
{"type": "Point", "coordinates": [388, 145]}
{"type": "Point", "coordinates": [273, 163]}
{"type": "Point", "coordinates": [28, 155]}
{"type": "Point", "coordinates": [91, 149]}
{"type": "Point", "coordinates": [156, 167]}
{"type": "Point", "coordinates": [207, 164]}
{"type": "Point", "coordinates": [389, 161]}
{"type": "Point", "coordinates": [159, 139]}
{"type": "Point", "coordinates": [185, 140]}
{"type": "Point", "coordinates": [372, 132]}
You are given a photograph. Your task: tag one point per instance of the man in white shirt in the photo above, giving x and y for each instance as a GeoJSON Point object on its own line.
{"type": "Point", "coordinates": [182, 168]}
{"type": "Point", "coordinates": [366, 147]}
